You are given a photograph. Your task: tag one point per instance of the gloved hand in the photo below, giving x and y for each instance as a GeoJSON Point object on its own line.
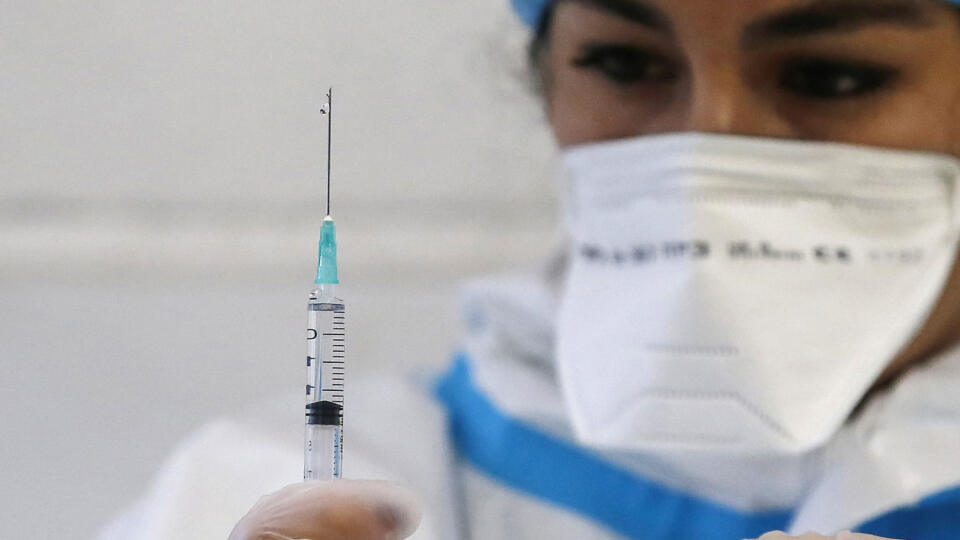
{"type": "Point", "coordinates": [337, 510]}
{"type": "Point", "coordinates": [777, 535]}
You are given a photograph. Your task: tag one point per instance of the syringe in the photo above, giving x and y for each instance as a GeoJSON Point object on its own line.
{"type": "Point", "coordinates": [326, 352]}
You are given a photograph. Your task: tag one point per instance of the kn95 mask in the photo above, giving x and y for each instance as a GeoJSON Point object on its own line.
{"type": "Point", "coordinates": [742, 293]}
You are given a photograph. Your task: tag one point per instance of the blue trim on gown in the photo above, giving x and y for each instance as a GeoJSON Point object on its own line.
{"type": "Point", "coordinates": [581, 481]}
{"type": "Point", "coordinates": [936, 517]}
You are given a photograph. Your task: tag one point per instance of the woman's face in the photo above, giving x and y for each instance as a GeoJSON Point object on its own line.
{"type": "Point", "coordinates": [875, 72]}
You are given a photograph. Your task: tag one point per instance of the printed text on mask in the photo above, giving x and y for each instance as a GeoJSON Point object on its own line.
{"type": "Point", "coordinates": [744, 250]}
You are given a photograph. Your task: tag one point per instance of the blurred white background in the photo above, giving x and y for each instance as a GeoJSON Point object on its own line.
{"type": "Point", "coordinates": [160, 192]}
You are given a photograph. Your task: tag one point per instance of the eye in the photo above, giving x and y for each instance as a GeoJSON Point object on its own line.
{"type": "Point", "coordinates": [829, 79]}
{"type": "Point", "coordinates": [625, 64]}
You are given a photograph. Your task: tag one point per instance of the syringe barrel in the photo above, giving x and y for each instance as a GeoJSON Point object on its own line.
{"type": "Point", "coordinates": [326, 371]}
{"type": "Point", "coordinates": [321, 453]}
{"type": "Point", "coordinates": [326, 346]}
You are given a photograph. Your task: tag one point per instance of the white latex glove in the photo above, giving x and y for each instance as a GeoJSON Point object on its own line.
{"type": "Point", "coordinates": [337, 510]}
{"type": "Point", "coordinates": [777, 535]}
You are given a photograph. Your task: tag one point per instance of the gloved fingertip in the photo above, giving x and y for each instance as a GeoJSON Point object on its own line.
{"type": "Point", "coordinates": [399, 510]}
{"type": "Point", "coordinates": [389, 517]}
{"type": "Point", "coordinates": [772, 535]}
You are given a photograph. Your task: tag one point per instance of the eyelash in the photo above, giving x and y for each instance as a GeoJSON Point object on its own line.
{"type": "Point", "coordinates": [625, 64]}
{"type": "Point", "coordinates": [823, 79]}
{"type": "Point", "coordinates": [810, 78]}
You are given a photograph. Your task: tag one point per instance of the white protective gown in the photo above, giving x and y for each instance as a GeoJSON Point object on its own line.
{"type": "Point", "coordinates": [902, 450]}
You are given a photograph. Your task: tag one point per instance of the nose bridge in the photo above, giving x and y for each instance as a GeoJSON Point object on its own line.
{"type": "Point", "coordinates": [721, 101]}
{"type": "Point", "coordinates": [718, 100]}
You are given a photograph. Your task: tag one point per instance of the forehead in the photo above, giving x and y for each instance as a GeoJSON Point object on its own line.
{"type": "Point", "coordinates": [745, 10]}
{"type": "Point", "coordinates": [758, 21]}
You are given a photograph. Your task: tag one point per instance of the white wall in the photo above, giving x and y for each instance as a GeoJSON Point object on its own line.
{"type": "Point", "coordinates": [160, 190]}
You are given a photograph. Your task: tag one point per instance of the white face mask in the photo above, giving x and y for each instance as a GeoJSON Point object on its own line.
{"type": "Point", "coordinates": [742, 294]}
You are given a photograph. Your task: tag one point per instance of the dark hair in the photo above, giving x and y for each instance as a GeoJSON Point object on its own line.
{"type": "Point", "coordinates": [540, 40]}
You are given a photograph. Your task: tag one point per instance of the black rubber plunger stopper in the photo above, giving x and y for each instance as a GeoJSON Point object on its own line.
{"type": "Point", "coordinates": [324, 413]}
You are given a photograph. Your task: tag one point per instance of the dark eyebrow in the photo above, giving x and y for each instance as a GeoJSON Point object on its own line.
{"type": "Point", "coordinates": [825, 16]}
{"type": "Point", "coordinates": [635, 11]}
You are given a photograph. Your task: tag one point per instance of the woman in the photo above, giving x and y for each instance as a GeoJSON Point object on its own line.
{"type": "Point", "coordinates": [754, 327]}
